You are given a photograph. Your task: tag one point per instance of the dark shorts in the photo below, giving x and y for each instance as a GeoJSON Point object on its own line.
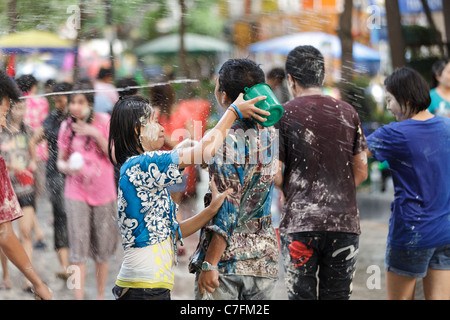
{"type": "Point", "coordinates": [140, 293]}
{"type": "Point", "coordinates": [415, 263]}
{"type": "Point", "coordinates": [319, 265]}
{"type": "Point", "coordinates": [27, 201]}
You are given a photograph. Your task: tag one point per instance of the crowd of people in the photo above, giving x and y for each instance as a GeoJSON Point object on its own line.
{"type": "Point", "coordinates": [116, 166]}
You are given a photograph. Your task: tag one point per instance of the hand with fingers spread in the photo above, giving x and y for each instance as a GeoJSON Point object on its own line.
{"type": "Point", "coordinates": [217, 197]}
{"type": "Point", "coordinates": [248, 109]}
{"type": "Point", "coordinates": [193, 224]}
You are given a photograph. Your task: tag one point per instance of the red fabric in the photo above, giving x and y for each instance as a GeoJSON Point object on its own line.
{"type": "Point", "coordinates": [11, 67]}
{"type": "Point", "coordinates": [9, 205]}
{"type": "Point", "coordinates": [25, 177]}
{"type": "Point", "coordinates": [300, 253]}
{"type": "Point", "coordinates": [197, 111]}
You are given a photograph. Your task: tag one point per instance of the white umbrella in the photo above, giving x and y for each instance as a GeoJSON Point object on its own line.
{"type": "Point", "coordinates": [328, 44]}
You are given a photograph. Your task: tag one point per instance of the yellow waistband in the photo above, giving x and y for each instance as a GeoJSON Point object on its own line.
{"type": "Point", "coordinates": [138, 283]}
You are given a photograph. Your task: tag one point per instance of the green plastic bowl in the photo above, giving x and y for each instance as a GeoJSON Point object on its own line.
{"type": "Point", "coordinates": [271, 103]}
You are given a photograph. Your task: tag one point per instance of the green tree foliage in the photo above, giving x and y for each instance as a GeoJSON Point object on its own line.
{"type": "Point", "coordinates": [133, 19]}
{"type": "Point", "coordinates": [41, 15]}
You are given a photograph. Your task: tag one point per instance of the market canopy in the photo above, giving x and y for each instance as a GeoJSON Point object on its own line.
{"type": "Point", "coordinates": [32, 41]}
{"type": "Point", "coordinates": [414, 6]}
{"type": "Point", "coordinates": [328, 44]}
{"type": "Point", "coordinates": [193, 43]}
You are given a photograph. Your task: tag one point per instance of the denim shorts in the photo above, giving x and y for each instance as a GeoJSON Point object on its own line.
{"type": "Point", "coordinates": [415, 263]}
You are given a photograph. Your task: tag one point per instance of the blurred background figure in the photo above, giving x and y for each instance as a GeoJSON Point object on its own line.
{"type": "Point", "coordinates": [124, 83]}
{"type": "Point", "coordinates": [106, 94]}
{"type": "Point", "coordinates": [175, 123]}
{"type": "Point", "coordinates": [48, 88]}
{"type": "Point", "coordinates": [54, 179]}
{"type": "Point", "coordinates": [37, 109]}
{"type": "Point", "coordinates": [276, 80]}
{"type": "Point", "coordinates": [440, 92]}
{"type": "Point", "coordinates": [10, 246]}
{"type": "Point", "coordinates": [90, 190]}
{"type": "Point", "coordinates": [14, 149]}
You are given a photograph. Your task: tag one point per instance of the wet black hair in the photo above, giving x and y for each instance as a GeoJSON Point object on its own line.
{"type": "Point", "coordinates": [62, 87]}
{"type": "Point", "coordinates": [164, 97]}
{"type": "Point", "coordinates": [409, 88]}
{"type": "Point", "coordinates": [125, 127]}
{"type": "Point", "coordinates": [123, 83]}
{"type": "Point", "coordinates": [437, 69]}
{"type": "Point", "coordinates": [87, 87]}
{"type": "Point", "coordinates": [276, 73]}
{"type": "Point", "coordinates": [26, 82]}
{"type": "Point", "coordinates": [236, 74]}
{"type": "Point", "coordinates": [8, 88]}
{"type": "Point", "coordinates": [105, 72]}
{"type": "Point", "coordinates": [306, 65]}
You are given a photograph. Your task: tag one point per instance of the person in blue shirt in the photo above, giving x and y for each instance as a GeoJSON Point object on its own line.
{"type": "Point", "coordinates": [147, 215]}
{"type": "Point", "coordinates": [417, 148]}
{"type": "Point", "coordinates": [440, 92]}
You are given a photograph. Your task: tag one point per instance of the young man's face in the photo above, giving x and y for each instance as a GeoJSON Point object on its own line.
{"type": "Point", "coordinates": [4, 110]}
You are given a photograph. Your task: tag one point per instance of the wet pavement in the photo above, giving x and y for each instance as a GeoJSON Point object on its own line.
{"type": "Point", "coordinates": [368, 284]}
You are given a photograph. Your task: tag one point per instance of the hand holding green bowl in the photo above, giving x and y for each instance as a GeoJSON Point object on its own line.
{"type": "Point", "coordinates": [270, 104]}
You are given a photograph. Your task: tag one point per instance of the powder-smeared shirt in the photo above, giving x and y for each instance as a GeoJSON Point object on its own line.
{"type": "Point", "coordinates": [319, 136]}
{"type": "Point", "coordinates": [247, 162]}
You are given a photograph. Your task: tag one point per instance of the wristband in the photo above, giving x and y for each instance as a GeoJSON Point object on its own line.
{"type": "Point", "coordinates": [237, 110]}
{"type": "Point", "coordinates": [234, 111]}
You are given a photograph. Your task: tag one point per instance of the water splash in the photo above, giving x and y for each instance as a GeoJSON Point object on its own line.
{"type": "Point", "coordinates": [109, 90]}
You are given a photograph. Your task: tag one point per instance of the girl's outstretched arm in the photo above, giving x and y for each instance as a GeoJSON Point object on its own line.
{"type": "Point", "coordinates": [13, 249]}
{"type": "Point", "coordinates": [211, 142]}
{"type": "Point", "coordinates": [193, 224]}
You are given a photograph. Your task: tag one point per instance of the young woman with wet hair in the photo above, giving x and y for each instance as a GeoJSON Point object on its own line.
{"type": "Point", "coordinates": [417, 148]}
{"type": "Point", "coordinates": [147, 213]}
